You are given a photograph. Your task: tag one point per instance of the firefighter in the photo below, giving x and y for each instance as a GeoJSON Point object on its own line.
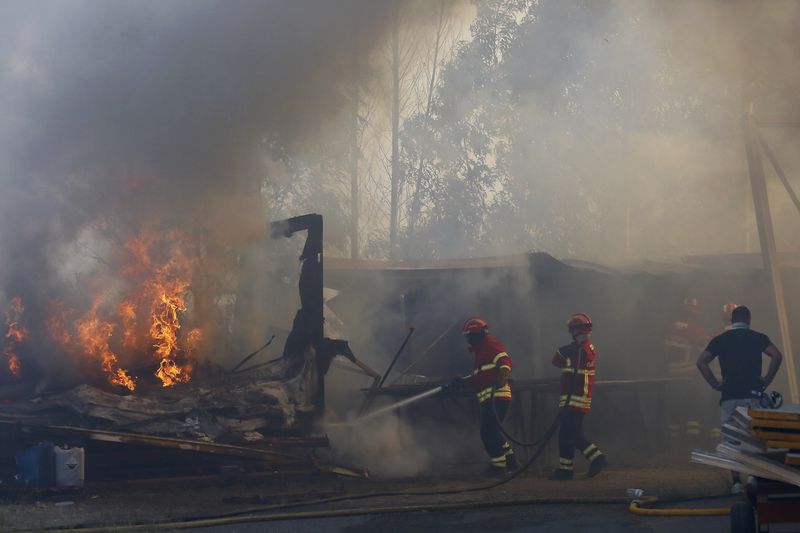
{"type": "Point", "coordinates": [490, 381]}
{"type": "Point", "coordinates": [577, 363]}
{"type": "Point", "coordinates": [727, 310]}
{"type": "Point", "coordinates": [686, 338]}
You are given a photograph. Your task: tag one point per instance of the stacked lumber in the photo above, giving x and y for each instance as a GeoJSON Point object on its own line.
{"type": "Point", "coordinates": [760, 442]}
{"type": "Point", "coordinates": [777, 428]}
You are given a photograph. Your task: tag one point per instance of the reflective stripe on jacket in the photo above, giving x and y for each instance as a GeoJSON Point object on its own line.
{"type": "Point", "coordinates": [490, 357]}
{"type": "Point", "coordinates": [577, 363]}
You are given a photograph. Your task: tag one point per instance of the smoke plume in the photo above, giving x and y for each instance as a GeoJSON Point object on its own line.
{"type": "Point", "coordinates": [120, 120]}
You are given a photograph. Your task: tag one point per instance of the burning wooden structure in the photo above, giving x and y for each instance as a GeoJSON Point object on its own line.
{"type": "Point", "coordinates": [261, 413]}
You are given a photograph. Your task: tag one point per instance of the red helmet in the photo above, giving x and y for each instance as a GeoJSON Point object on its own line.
{"type": "Point", "coordinates": [475, 325]}
{"type": "Point", "coordinates": [579, 322]}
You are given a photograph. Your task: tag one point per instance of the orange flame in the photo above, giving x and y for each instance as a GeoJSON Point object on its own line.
{"type": "Point", "coordinates": [16, 334]}
{"type": "Point", "coordinates": [164, 326]}
{"type": "Point", "coordinates": [93, 335]}
{"type": "Point", "coordinates": [127, 312]}
{"type": "Point", "coordinates": [157, 267]}
{"type": "Point", "coordinates": [165, 285]}
{"type": "Point", "coordinates": [14, 364]}
{"type": "Point", "coordinates": [193, 340]}
{"type": "Point", "coordinates": [139, 249]}
{"type": "Point", "coordinates": [55, 323]}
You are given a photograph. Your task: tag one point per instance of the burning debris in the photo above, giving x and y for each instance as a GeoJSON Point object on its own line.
{"type": "Point", "coordinates": [143, 328]}
{"type": "Point", "coordinates": [134, 317]}
{"type": "Point", "coordinates": [16, 334]}
{"type": "Point", "coordinates": [92, 335]}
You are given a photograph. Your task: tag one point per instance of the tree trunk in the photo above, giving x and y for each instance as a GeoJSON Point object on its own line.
{"type": "Point", "coordinates": [395, 179]}
{"type": "Point", "coordinates": [354, 208]}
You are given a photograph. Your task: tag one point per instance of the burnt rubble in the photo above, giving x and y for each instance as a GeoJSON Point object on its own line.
{"type": "Point", "coordinates": [262, 408]}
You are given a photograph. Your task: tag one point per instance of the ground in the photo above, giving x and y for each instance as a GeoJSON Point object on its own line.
{"type": "Point", "coordinates": [599, 504]}
{"type": "Point", "coordinates": [556, 518]}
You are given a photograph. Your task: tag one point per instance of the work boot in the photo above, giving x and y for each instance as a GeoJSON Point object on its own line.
{"type": "Point", "coordinates": [559, 474]}
{"type": "Point", "coordinates": [511, 463]}
{"type": "Point", "coordinates": [597, 465]}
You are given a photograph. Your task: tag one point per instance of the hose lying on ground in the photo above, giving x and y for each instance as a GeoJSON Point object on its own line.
{"type": "Point", "coordinates": [636, 508]}
{"type": "Point", "coordinates": [257, 514]}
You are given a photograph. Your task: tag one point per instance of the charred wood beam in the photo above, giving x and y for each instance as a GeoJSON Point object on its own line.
{"type": "Point", "coordinates": [307, 332]}
{"type": "Point", "coordinates": [164, 442]}
{"type": "Point", "coordinates": [311, 270]}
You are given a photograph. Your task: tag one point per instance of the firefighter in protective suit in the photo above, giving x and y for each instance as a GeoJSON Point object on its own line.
{"type": "Point", "coordinates": [577, 363]}
{"type": "Point", "coordinates": [685, 339]}
{"type": "Point", "coordinates": [725, 315]}
{"type": "Point", "coordinates": [490, 381]}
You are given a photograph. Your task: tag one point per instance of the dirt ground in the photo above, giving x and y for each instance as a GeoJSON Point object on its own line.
{"type": "Point", "coordinates": [132, 504]}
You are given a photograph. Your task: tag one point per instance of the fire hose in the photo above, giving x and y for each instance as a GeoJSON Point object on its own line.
{"type": "Point", "coordinates": [265, 514]}
{"type": "Point", "coordinates": [256, 514]}
{"type": "Point", "coordinates": [636, 508]}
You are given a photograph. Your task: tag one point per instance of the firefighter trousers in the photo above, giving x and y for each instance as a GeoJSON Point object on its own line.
{"type": "Point", "coordinates": [493, 440]}
{"type": "Point", "coordinates": [571, 438]}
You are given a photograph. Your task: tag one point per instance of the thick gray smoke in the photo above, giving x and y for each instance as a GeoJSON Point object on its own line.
{"type": "Point", "coordinates": [621, 140]}
{"type": "Point", "coordinates": [120, 117]}
{"type": "Point", "coordinates": [159, 108]}
{"type": "Point", "coordinates": [606, 130]}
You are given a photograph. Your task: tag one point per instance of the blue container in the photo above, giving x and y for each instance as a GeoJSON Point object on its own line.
{"type": "Point", "coordinates": [36, 466]}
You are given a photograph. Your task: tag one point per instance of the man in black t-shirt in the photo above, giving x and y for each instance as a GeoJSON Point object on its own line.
{"type": "Point", "coordinates": [739, 351]}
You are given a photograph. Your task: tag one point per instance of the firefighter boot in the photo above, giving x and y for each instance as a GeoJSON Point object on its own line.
{"type": "Point", "coordinates": [497, 466]}
{"type": "Point", "coordinates": [597, 465]}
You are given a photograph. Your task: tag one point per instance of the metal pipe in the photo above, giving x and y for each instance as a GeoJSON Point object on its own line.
{"type": "Point", "coordinates": [428, 349]}
{"type": "Point", "coordinates": [396, 356]}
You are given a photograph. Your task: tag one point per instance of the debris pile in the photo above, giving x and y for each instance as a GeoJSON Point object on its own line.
{"type": "Point", "coordinates": [765, 443]}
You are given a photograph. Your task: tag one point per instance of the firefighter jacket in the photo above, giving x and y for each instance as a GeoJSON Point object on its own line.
{"type": "Point", "coordinates": [577, 363]}
{"type": "Point", "coordinates": [685, 341]}
{"type": "Point", "coordinates": [490, 356]}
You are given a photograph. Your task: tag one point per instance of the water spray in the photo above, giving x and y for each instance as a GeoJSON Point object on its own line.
{"type": "Point", "coordinates": [389, 408]}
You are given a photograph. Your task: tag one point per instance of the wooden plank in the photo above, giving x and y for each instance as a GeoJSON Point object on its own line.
{"type": "Point", "coordinates": [766, 239]}
{"type": "Point", "coordinates": [787, 412]}
{"type": "Point", "coordinates": [748, 440]}
{"type": "Point", "coordinates": [778, 471]}
{"type": "Point", "coordinates": [164, 442]}
{"type": "Point", "coordinates": [792, 458]}
{"type": "Point", "coordinates": [789, 444]}
{"type": "Point", "coordinates": [776, 435]}
{"type": "Point", "coordinates": [726, 463]}
{"type": "Point", "coordinates": [777, 424]}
